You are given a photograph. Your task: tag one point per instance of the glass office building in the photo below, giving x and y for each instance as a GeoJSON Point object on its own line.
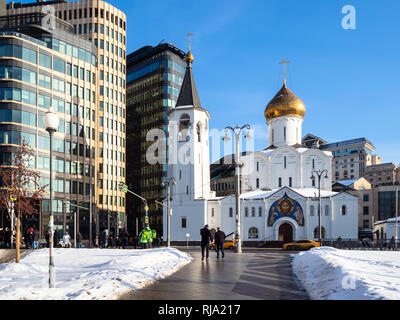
{"type": "Point", "coordinates": [37, 72]}
{"type": "Point", "coordinates": [103, 27]}
{"type": "Point", "coordinates": [154, 79]}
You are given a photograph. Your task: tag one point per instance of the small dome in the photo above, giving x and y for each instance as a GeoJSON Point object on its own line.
{"type": "Point", "coordinates": [189, 58]}
{"type": "Point", "coordinates": [285, 103]}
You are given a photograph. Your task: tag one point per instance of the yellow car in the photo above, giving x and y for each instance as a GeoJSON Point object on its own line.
{"type": "Point", "coordinates": [300, 245]}
{"type": "Point", "coordinates": [228, 244]}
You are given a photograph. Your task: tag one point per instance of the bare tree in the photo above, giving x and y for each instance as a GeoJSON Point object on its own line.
{"type": "Point", "coordinates": [20, 182]}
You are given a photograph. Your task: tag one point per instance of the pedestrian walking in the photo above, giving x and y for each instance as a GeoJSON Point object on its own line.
{"type": "Point", "coordinates": [56, 238]}
{"type": "Point", "coordinates": [66, 240]}
{"type": "Point", "coordinates": [339, 242]}
{"type": "Point", "coordinates": [35, 239]}
{"type": "Point", "coordinates": [219, 242]}
{"type": "Point", "coordinates": [149, 237]}
{"type": "Point", "coordinates": [124, 236]}
{"type": "Point", "coordinates": [205, 241]}
{"type": "Point", "coordinates": [7, 240]}
{"type": "Point", "coordinates": [144, 238]}
{"type": "Point", "coordinates": [392, 244]}
{"type": "Point", "coordinates": [79, 240]}
{"type": "Point", "coordinates": [104, 239]}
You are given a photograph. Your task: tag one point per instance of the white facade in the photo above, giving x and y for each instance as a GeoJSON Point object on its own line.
{"type": "Point", "coordinates": [281, 203]}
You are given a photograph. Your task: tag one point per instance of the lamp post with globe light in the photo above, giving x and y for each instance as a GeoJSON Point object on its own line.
{"type": "Point", "coordinates": [51, 122]}
{"type": "Point", "coordinates": [167, 184]}
{"type": "Point", "coordinates": [237, 131]}
{"type": "Point", "coordinates": [319, 174]}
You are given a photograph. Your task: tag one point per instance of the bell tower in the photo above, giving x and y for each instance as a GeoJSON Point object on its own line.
{"type": "Point", "coordinates": [188, 160]}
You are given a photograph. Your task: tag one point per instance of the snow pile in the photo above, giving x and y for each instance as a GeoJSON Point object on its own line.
{"type": "Point", "coordinates": [329, 273]}
{"type": "Point", "coordinates": [84, 274]}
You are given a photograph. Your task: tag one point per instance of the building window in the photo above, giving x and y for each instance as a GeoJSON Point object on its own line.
{"type": "Point", "coordinates": [253, 211]}
{"type": "Point", "coordinates": [312, 211]}
{"type": "Point", "coordinates": [259, 211]}
{"type": "Point", "coordinates": [316, 232]}
{"type": "Point", "coordinates": [246, 212]}
{"type": "Point", "coordinates": [284, 162]}
{"type": "Point", "coordinates": [366, 197]}
{"type": "Point", "coordinates": [290, 181]}
{"type": "Point", "coordinates": [327, 210]}
{"type": "Point", "coordinates": [253, 233]}
{"type": "Point", "coordinates": [258, 166]}
{"type": "Point", "coordinates": [366, 224]}
{"type": "Point", "coordinates": [257, 183]}
{"type": "Point", "coordinates": [230, 212]}
{"type": "Point", "coordinates": [183, 223]}
{"type": "Point", "coordinates": [365, 211]}
{"type": "Point", "coordinates": [280, 182]}
{"type": "Point", "coordinates": [212, 212]}
{"type": "Point", "coordinates": [343, 210]}
{"type": "Point", "coordinates": [284, 134]}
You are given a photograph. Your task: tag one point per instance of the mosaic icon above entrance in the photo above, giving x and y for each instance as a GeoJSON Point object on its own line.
{"type": "Point", "coordinates": [285, 207]}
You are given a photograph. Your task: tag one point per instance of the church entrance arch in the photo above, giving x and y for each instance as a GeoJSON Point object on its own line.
{"type": "Point", "coordinates": [285, 232]}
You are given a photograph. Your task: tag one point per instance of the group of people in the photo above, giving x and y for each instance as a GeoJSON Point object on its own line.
{"type": "Point", "coordinates": [31, 238]}
{"type": "Point", "coordinates": [5, 238]}
{"type": "Point", "coordinates": [146, 238]}
{"type": "Point", "coordinates": [206, 239]}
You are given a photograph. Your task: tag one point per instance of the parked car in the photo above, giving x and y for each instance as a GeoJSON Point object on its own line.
{"type": "Point", "coordinates": [228, 244]}
{"type": "Point", "coordinates": [300, 245]}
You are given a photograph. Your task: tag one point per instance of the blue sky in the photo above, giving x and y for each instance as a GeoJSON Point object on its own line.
{"type": "Point", "coordinates": [348, 79]}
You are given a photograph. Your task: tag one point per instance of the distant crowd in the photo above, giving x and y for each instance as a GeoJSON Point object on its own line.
{"type": "Point", "coordinates": [31, 239]}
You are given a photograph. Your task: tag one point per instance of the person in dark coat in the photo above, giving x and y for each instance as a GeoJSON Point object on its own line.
{"type": "Point", "coordinates": [205, 241]}
{"type": "Point", "coordinates": [56, 239]}
{"type": "Point", "coordinates": [79, 240]}
{"type": "Point", "coordinates": [124, 236]}
{"type": "Point", "coordinates": [219, 242]}
{"type": "Point", "coordinates": [35, 238]}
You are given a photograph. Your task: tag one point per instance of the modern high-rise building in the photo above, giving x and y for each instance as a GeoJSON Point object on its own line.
{"type": "Point", "coordinates": [154, 78]}
{"type": "Point", "coordinates": [93, 53]}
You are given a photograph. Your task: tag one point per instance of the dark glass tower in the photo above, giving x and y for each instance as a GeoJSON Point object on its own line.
{"type": "Point", "coordinates": [154, 78]}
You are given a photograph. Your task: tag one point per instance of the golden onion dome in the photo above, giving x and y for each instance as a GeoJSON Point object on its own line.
{"type": "Point", "coordinates": [285, 103]}
{"type": "Point", "coordinates": [189, 58]}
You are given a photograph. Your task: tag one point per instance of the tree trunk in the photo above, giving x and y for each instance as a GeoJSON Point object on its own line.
{"type": "Point", "coordinates": [17, 238]}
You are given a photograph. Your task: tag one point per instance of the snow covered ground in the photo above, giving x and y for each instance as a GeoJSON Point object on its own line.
{"type": "Point", "coordinates": [84, 274]}
{"type": "Point", "coordinates": [329, 273]}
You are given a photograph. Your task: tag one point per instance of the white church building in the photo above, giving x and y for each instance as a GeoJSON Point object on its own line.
{"type": "Point", "coordinates": [284, 207]}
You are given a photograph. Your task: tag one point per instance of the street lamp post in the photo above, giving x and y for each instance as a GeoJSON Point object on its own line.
{"type": "Point", "coordinates": [319, 174]}
{"type": "Point", "coordinates": [168, 185]}
{"type": "Point", "coordinates": [51, 122]}
{"type": "Point", "coordinates": [237, 131]}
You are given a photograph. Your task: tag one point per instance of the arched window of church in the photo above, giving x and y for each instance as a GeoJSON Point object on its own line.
{"type": "Point", "coordinates": [198, 132]}
{"type": "Point", "coordinates": [284, 134]}
{"type": "Point", "coordinates": [316, 232]}
{"type": "Point", "coordinates": [253, 233]}
{"type": "Point", "coordinates": [246, 212]}
{"type": "Point", "coordinates": [230, 212]}
{"type": "Point", "coordinates": [257, 183]}
{"type": "Point", "coordinates": [212, 212]}
{"type": "Point", "coordinates": [280, 182]}
{"type": "Point", "coordinates": [258, 166]}
{"type": "Point", "coordinates": [313, 163]}
{"type": "Point", "coordinates": [312, 210]}
{"type": "Point", "coordinates": [273, 136]}
{"type": "Point", "coordinates": [327, 210]}
{"type": "Point", "coordinates": [253, 211]}
{"type": "Point", "coordinates": [313, 181]}
{"type": "Point", "coordinates": [290, 181]}
{"type": "Point", "coordinates": [344, 209]}
{"type": "Point", "coordinates": [259, 211]}
{"type": "Point", "coordinates": [284, 162]}
{"type": "Point", "coordinates": [184, 125]}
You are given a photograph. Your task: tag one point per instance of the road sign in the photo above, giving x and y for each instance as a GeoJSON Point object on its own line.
{"type": "Point", "coordinates": [146, 219]}
{"type": "Point", "coordinates": [13, 197]}
{"type": "Point", "coordinates": [146, 208]}
{"type": "Point", "coordinates": [125, 188]}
